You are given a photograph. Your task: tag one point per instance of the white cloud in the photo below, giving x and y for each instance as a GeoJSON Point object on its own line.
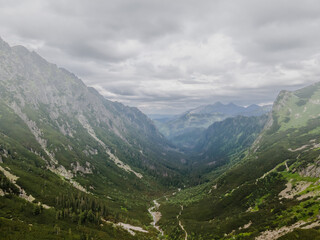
{"type": "Point", "coordinates": [168, 56]}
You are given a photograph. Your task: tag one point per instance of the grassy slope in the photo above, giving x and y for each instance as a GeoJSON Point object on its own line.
{"type": "Point", "coordinates": [52, 98]}
{"type": "Point", "coordinates": [219, 209]}
{"type": "Point", "coordinates": [118, 191]}
{"type": "Point", "coordinates": [224, 144]}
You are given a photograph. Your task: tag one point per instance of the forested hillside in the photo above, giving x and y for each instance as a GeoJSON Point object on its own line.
{"type": "Point", "coordinates": [83, 163]}
{"type": "Point", "coordinates": [273, 192]}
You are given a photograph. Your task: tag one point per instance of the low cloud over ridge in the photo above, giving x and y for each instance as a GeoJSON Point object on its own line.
{"type": "Point", "coordinates": [169, 56]}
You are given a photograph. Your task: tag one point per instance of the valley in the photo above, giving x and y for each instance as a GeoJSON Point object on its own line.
{"type": "Point", "coordinates": [74, 165]}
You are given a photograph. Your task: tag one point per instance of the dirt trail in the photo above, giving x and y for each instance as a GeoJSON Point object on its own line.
{"type": "Point", "coordinates": [287, 166]}
{"type": "Point", "coordinates": [180, 224]}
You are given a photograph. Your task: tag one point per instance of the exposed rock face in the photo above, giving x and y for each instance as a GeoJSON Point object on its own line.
{"type": "Point", "coordinates": [281, 100]}
{"type": "Point", "coordinates": [64, 115]}
{"type": "Point", "coordinates": [275, 234]}
{"type": "Point", "coordinates": [291, 191]}
{"type": "Point", "coordinates": [12, 178]}
{"type": "Point", "coordinates": [78, 168]}
{"type": "Point", "coordinates": [34, 130]}
{"type": "Point", "coordinates": [313, 170]}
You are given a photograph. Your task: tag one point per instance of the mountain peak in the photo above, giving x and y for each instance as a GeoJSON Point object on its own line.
{"type": "Point", "coordinates": [253, 105]}
{"type": "Point", "coordinates": [217, 104]}
{"type": "Point", "coordinates": [23, 52]}
{"type": "Point", "coordinates": [20, 49]}
{"type": "Point", "coordinates": [232, 104]}
{"type": "Point", "coordinates": [3, 44]}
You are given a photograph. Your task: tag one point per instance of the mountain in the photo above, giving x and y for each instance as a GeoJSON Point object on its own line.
{"type": "Point", "coordinates": [218, 107]}
{"type": "Point", "coordinates": [74, 165]}
{"type": "Point", "coordinates": [226, 142]}
{"type": "Point", "coordinates": [185, 130]}
{"type": "Point", "coordinates": [88, 162]}
{"type": "Point", "coordinates": [272, 193]}
{"type": "Point", "coordinates": [222, 138]}
{"type": "Point", "coordinates": [161, 117]}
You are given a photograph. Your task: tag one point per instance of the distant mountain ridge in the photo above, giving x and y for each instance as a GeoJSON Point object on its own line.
{"type": "Point", "coordinates": [228, 137]}
{"type": "Point", "coordinates": [230, 109]}
{"type": "Point", "coordinates": [185, 129]}
{"type": "Point", "coordinates": [273, 192]}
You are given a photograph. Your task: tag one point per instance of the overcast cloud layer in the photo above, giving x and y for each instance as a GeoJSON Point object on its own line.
{"type": "Point", "coordinates": [167, 56]}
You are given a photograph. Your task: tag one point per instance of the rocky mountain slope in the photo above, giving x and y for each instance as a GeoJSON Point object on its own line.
{"type": "Point", "coordinates": [74, 165]}
{"type": "Point", "coordinates": [271, 193]}
{"type": "Point", "coordinates": [185, 130]}
{"type": "Point", "coordinates": [62, 144]}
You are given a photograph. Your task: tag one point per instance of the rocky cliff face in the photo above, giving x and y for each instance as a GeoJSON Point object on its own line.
{"type": "Point", "coordinates": [64, 115]}
{"type": "Point", "coordinates": [28, 79]}
{"type": "Point", "coordinates": [66, 145]}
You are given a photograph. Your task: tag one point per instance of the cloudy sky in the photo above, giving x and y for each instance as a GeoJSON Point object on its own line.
{"type": "Point", "coordinates": [167, 56]}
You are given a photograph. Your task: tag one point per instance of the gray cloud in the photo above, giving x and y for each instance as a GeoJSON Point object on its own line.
{"type": "Point", "coordinates": [168, 56]}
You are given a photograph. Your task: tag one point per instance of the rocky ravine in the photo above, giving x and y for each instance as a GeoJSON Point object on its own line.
{"type": "Point", "coordinates": [156, 215]}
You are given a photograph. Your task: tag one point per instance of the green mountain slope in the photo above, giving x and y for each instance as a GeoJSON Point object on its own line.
{"type": "Point", "coordinates": [186, 129]}
{"type": "Point", "coordinates": [88, 162]}
{"type": "Point", "coordinates": [229, 137]}
{"type": "Point", "coordinates": [74, 165]}
{"type": "Point", "coordinates": [223, 144]}
{"type": "Point", "coordinates": [273, 192]}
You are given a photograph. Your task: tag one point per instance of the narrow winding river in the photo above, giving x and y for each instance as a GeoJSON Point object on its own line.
{"type": "Point", "coordinates": [156, 215]}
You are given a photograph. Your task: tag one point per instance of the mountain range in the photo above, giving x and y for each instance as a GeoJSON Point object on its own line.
{"type": "Point", "coordinates": [272, 192]}
{"type": "Point", "coordinates": [74, 165]}
{"type": "Point", "coordinates": [184, 130]}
